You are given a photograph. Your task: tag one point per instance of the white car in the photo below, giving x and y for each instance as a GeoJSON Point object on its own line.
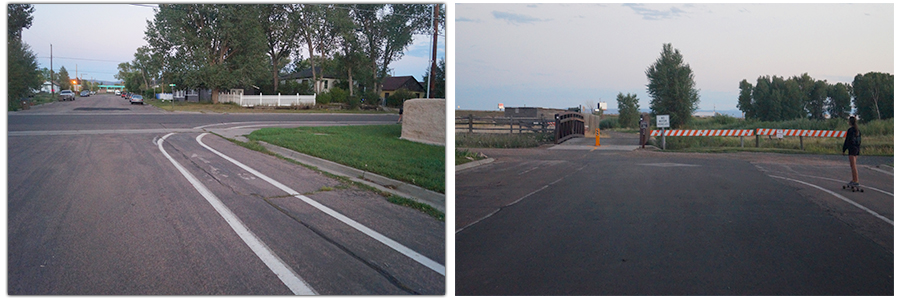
{"type": "Point", "coordinates": [118, 92]}
{"type": "Point", "coordinates": [136, 99]}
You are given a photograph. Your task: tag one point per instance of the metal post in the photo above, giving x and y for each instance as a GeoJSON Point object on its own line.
{"type": "Point", "coordinates": [664, 138]}
{"type": "Point", "coordinates": [742, 141]}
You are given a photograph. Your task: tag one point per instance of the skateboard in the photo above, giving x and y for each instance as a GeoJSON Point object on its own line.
{"type": "Point", "coordinates": [853, 188]}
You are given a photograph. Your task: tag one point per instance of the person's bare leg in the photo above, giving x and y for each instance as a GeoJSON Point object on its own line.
{"type": "Point", "coordinates": [853, 168]}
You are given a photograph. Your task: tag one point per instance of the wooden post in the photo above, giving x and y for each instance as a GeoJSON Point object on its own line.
{"type": "Point", "coordinates": [757, 140]}
{"type": "Point", "coordinates": [742, 141]}
{"type": "Point", "coordinates": [470, 123]}
{"type": "Point", "coordinates": [510, 125]}
{"type": "Point", "coordinates": [801, 142]}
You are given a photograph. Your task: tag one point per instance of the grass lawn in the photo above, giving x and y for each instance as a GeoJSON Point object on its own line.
{"type": "Point", "coordinates": [374, 148]}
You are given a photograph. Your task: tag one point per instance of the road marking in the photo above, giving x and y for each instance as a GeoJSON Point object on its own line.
{"type": "Point", "coordinates": [425, 261]}
{"type": "Point", "coordinates": [667, 165]}
{"type": "Point", "coordinates": [840, 197]}
{"type": "Point", "coordinates": [290, 279]}
{"type": "Point", "coordinates": [879, 170]}
{"type": "Point", "coordinates": [837, 180]}
{"type": "Point", "coordinates": [102, 131]}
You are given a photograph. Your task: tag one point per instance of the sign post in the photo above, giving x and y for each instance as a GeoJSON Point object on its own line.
{"type": "Point", "coordinates": [662, 121]}
{"type": "Point", "coordinates": [173, 96]}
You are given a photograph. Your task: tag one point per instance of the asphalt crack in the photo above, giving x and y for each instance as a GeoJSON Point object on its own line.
{"type": "Point", "coordinates": [384, 273]}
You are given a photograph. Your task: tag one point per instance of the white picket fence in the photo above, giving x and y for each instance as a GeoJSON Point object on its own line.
{"type": "Point", "coordinates": [267, 100]}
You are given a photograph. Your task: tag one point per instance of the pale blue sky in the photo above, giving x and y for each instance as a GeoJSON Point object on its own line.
{"type": "Point", "coordinates": [97, 37]}
{"type": "Point", "coordinates": [565, 55]}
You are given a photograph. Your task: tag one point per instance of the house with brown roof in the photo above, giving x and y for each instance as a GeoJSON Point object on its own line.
{"type": "Point", "coordinates": [392, 84]}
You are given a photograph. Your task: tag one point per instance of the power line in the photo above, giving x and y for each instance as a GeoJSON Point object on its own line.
{"type": "Point", "coordinates": [89, 59]}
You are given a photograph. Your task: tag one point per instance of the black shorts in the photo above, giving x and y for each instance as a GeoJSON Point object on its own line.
{"type": "Point", "coordinates": [853, 151]}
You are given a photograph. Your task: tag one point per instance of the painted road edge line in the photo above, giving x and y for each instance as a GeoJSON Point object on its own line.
{"type": "Point", "coordinates": [840, 197]}
{"type": "Point", "coordinates": [287, 275]}
{"type": "Point", "coordinates": [425, 261]}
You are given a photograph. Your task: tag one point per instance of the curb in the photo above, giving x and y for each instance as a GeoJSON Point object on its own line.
{"type": "Point", "coordinates": [473, 164]}
{"type": "Point", "coordinates": [384, 184]}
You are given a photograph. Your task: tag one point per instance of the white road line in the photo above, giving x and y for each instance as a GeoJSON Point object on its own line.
{"type": "Point", "coordinates": [840, 197]}
{"type": "Point", "coordinates": [879, 170]}
{"type": "Point", "coordinates": [425, 261]}
{"type": "Point", "coordinates": [837, 180]}
{"type": "Point", "coordinates": [290, 279]}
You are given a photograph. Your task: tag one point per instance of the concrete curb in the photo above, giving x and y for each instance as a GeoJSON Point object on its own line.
{"type": "Point", "coordinates": [473, 164]}
{"type": "Point", "coordinates": [402, 189]}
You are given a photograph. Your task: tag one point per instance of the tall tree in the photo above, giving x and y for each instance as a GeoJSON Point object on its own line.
{"type": "Point", "coordinates": [18, 17]}
{"type": "Point", "coordinates": [23, 75]}
{"type": "Point", "coordinates": [282, 35]}
{"type": "Point", "coordinates": [839, 100]}
{"type": "Point", "coordinates": [213, 46]}
{"type": "Point", "coordinates": [745, 99]}
{"type": "Point", "coordinates": [387, 30]}
{"type": "Point", "coordinates": [817, 98]}
{"type": "Point", "coordinates": [629, 110]}
{"type": "Point", "coordinates": [874, 95]}
{"type": "Point", "coordinates": [64, 82]}
{"type": "Point", "coordinates": [22, 71]}
{"type": "Point", "coordinates": [671, 87]}
{"type": "Point", "coordinates": [316, 29]}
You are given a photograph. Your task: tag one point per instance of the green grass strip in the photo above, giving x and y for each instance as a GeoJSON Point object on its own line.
{"type": "Point", "coordinates": [372, 148]}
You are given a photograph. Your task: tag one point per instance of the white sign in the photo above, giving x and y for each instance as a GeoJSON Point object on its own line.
{"type": "Point", "coordinates": [779, 133]}
{"type": "Point", "coordinates": [500, 106]}
{"type": "Point", "coordinates": [602, 105]}
{"type": "Point", "coordinates": [662, 121]}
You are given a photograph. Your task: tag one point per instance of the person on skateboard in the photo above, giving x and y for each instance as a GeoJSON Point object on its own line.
{"type": "Point", "coordinates": [851, 145]}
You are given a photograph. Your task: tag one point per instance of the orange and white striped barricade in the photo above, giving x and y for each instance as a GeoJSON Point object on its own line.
{"type": "Point", "coordinates": [706, 132]}
{"type": "Point", "coordinates": [798, 132]}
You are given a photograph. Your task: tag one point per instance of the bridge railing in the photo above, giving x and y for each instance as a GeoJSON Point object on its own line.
{"type": "Point", "coordinates": [568, 125]}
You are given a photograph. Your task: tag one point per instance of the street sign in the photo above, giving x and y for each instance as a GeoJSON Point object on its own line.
{"type": "Point", "coordinates": [172, 84]}
{"type": "Point", "coordinates": [662, 121]}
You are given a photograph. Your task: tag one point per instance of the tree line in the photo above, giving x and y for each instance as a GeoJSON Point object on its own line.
{"type": "Point", "coordinates": [777, 99]}
{"type": "Point", "coordinates": [224, 46]}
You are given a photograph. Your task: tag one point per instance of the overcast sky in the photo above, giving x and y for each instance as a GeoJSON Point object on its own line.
{"type": "Point", "coordinates": [565, 55]}
{"type": "Point", "coordinates": [97, 37]}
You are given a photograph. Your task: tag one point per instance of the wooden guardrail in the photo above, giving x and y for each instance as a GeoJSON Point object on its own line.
{"type": "Point", "coordinates": [471, 124]}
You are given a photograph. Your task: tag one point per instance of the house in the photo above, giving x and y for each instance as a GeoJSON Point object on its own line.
{"type": "Point", "coordinates": [392, 84]}
{"type": "Point", "coordinates": [47, 87]}
{"type": "Point", "coordinates": [326, 81]}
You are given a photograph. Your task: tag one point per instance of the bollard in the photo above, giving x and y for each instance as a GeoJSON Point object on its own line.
{"type": "Point", "coordinates": [597, 137]}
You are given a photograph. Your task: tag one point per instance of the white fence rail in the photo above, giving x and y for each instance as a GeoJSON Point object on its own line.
{"type": "Point", "coordinates": [267, 100]}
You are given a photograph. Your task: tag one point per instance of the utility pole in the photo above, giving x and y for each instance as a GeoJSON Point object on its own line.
{"type": "Point", "coordinates": [52, 87]}
{"type": "Point", "coordinates": [437, 8]}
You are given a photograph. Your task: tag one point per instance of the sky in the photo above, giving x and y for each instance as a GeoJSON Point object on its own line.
{"type": "Point", "coordinates": [566, 55]}
{"type": "Point", "coordinates": [97, 37]}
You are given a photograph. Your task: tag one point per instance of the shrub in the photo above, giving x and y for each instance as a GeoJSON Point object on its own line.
{"type": "Point", "coordinates": [397, 98]}
{"type": "Point", "coordinates": [608, 123]}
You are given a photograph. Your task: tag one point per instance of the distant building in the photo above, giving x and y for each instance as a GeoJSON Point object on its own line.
{"type": "Point", "coordinates": [326, 80]}
{"type": "Point", "coordinates": [47, 87]}
{"type": "Point", "coordinates": [393, 84]}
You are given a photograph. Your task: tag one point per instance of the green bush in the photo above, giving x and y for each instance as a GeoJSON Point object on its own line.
{"type": "Point", "coordinates": [609, 123]}
{"type": "Point", "coordinates": [397, 98]}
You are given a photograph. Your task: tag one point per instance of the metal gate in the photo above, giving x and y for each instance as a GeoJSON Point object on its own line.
{"type": "Point", "coordinates": [568, 125]}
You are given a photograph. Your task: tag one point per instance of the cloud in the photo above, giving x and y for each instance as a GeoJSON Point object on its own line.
{"type": "Point", "coordinates": [653, 14]}
{"type": "Point", "coordinates": [466, 20]}
{"type": "Point", "coordinates": [515, 18]}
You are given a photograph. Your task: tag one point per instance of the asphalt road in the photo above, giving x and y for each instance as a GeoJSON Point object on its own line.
{"type": "Point", "coordinates": [98, 205]}
{"type": "Point", "coordinates": [567, 222]}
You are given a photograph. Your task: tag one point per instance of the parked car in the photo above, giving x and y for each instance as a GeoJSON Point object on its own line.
{"type": "Point", "coordinates": [66, 95]}
{"type": "Point", "coordinates": [85, 94]}
{"type": "Point", "coordinates": [136, 99]}
{"type": "Point", "coordinates": [118, 93]}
